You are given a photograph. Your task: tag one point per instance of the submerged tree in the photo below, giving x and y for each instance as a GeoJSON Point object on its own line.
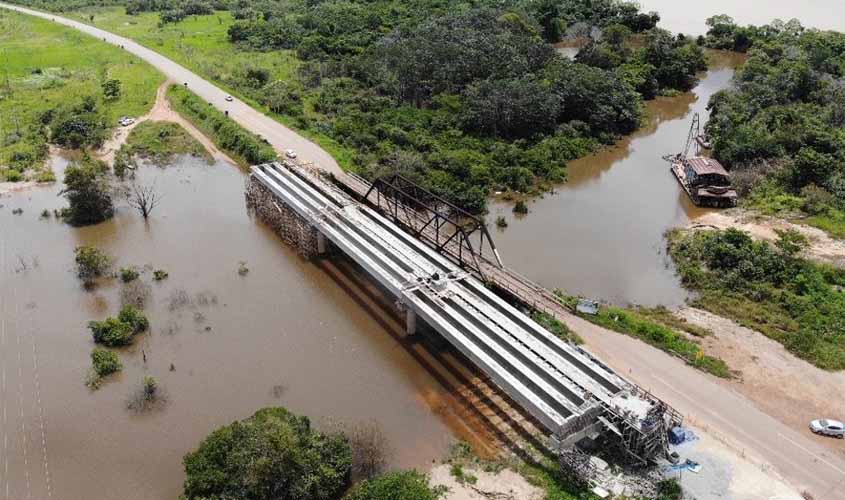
{"type": "Point", "coordinates": [88, 190]}
{"type": "Point", "coordinates": [143, 198]}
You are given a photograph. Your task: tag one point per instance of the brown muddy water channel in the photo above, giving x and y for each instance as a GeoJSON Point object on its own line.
{"type": "Point", "coordinates": [601, 233]}
{"type": "Point", "coordinates": [312, 337]}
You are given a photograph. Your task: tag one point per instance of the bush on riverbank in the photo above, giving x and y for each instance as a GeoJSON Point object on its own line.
{"type": "Point", "coordinates": [659, 328]}
{"type": "Point", "coordinates": [400, 485]}
{"type": "Point", "coordinates": [273, 454]}
{"type": "Point", "coordinates": [768, 288]}
{"type": "Point", "coordinates": [244, 146]}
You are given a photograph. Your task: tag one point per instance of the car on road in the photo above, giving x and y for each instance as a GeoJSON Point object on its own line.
{"type": "Point", "coordinates": [290, 154]}
{"type": "Point", "coordinates": [229, 98]}
{"type": "Point", "coordinates": [125, 121]}
{"type": "Point", "coordinates": [828, 427]}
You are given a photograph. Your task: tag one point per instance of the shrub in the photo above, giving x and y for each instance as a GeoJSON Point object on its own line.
{"type": "Point", "coordinates": [132, 316]}
{"type": "Point", "coordinates": [520, 207]}
{"type": "Point", "coordinates": [91, 263]}
{"type": "Point", "coordinates": [105, 362]}
{"type": "Point", "coordinates": [111, 332]}
{"type": "Point", "coordinates": [273, 454]}
{"type": "Point", "coordinates": [128, 274]}
{"type": "Point", "coordinates": [160, 274]}
{"type": "Point", "coordinates": [400, 485]}
{"type": "Point", "coordinates": [501, 222]}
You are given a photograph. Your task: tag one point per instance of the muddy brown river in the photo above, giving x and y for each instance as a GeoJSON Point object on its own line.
{"type": "Point", "coordinates": [314, 338]}
{"type": "Point", "coordinates": [317, 338]}
{"type": "Point", "coordinates": [601, 233]}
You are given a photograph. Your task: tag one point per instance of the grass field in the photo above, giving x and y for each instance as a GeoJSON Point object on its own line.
{"type": "Point", "coordinates": [43, 65]}
{"type": "Point", "coordinates": [200, 43]}
{"type": "Point", "coordinates": [159, 142]}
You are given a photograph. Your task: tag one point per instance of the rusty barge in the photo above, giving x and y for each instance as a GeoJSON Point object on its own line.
{"type": "Point", "coordinates": [704, 179]}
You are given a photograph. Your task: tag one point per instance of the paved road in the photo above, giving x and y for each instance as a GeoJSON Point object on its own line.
{"type": "Point", "coordinates": [279, 136]}
{"type": "Point", "coordinates": [797, 457]}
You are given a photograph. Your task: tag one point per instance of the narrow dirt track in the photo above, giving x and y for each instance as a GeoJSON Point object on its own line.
{"type": "Point", "coordinates": [799, 458]}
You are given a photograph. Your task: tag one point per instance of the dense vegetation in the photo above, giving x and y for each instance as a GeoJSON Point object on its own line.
{"type": "Point", "coordinates": [51, 95]}
{"type": "Point", "coordinates": [273, 454]}
{"type": "Point", "coordinates": [781, 128]}
{"type": "Point", "coordinates": [463, 96]}
{"type": "Point", "coordinates": [771, 289]}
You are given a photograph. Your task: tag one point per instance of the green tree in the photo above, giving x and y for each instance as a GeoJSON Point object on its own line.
{"type": "Point", "coordinates": [88, 192]}
{"type": "Point", "coordinates": [111, 89]}
{"type": "Point", "coordinates": [273, 454]}
{"type": "Point", "coordinates": [401, 485]}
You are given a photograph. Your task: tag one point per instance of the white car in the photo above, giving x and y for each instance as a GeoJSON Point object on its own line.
{"type": "Point", "coordinates": [290, 153]}
{"type": "Point", "coordinates": [828, 427]}
{"type": "Point", "coordinates": [126, 121]}
{"type": "Point", "coordinates": [229, 98]}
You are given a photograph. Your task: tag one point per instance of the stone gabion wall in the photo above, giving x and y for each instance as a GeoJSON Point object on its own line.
{"type": "Point", "coordinates": [293, 229]}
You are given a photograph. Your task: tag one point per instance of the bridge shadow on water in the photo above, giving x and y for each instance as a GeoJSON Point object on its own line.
{"type": "Point", "coordinates": [470, 404]}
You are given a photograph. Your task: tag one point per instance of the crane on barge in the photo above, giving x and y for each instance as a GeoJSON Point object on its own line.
{"type": "Point", "coordinates": [704, 179]}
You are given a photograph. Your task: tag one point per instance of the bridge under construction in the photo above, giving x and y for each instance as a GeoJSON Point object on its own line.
{"type": "Point", "coordinates": [566, 389]}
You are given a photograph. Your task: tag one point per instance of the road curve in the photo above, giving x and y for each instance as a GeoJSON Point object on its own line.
{"type": "Point", "coordinates": [279, 136]}
{"type": "Point", "coordinates": [713, 405]}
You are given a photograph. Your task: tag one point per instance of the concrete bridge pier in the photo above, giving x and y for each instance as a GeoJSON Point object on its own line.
{"type": "Point", "coordinates": [410, 321]}
{"type": "Point", "coordinates": [321, 243]}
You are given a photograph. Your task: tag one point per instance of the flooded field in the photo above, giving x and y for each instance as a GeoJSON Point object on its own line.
{"type": "Point", "coordinates": [312, 337]}
{"type": "Point", "coordinates": [601, 233]}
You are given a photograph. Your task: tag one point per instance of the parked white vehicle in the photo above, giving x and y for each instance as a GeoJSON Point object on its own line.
{"type": "Point", "coordinates": [828, 427]}
{"type": "Point", "coordinates": [229, 98]}
{"type": "Point", "coordinates": [126, 121]}
{"type": "Point", "coordinates": [290, 153]}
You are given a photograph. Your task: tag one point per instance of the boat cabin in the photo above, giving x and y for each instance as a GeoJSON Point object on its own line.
{"type": "Point", "coordinates": [706, 181]}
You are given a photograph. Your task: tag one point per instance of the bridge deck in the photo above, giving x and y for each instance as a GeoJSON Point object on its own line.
{"type": "Point", "coordinates": [554, 381]}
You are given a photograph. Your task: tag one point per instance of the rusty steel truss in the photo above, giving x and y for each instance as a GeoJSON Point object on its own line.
{"type": "Point", "coordinates": [449, 229]}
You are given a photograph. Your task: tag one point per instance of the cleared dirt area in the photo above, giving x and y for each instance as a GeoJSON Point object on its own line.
{"type": "Point", "coordinates": [782, 385]}
{"type": "Point", "coordinates": [822, 247]}
{"type": "Point", "coordinates": [160, 112]}
{"type": "Point", "coordinates": [503, 485]}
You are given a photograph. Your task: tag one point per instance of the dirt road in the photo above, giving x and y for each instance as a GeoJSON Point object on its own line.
{"type": "Point", "coordinates": [279, 136]}
{"type": "Point", "coordinates": [161, 112]}
{"type": "Point", "coordinates": [715, 407]}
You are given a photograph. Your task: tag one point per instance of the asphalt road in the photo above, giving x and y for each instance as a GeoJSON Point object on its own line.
{"type": "Point", "coordinates": [796, 456]}
{"type": "Point", "coordinates": [279, 136]}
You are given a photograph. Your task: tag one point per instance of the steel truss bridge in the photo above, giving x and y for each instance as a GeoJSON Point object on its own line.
{"type": "Point", "coordinates": [562, 386]}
